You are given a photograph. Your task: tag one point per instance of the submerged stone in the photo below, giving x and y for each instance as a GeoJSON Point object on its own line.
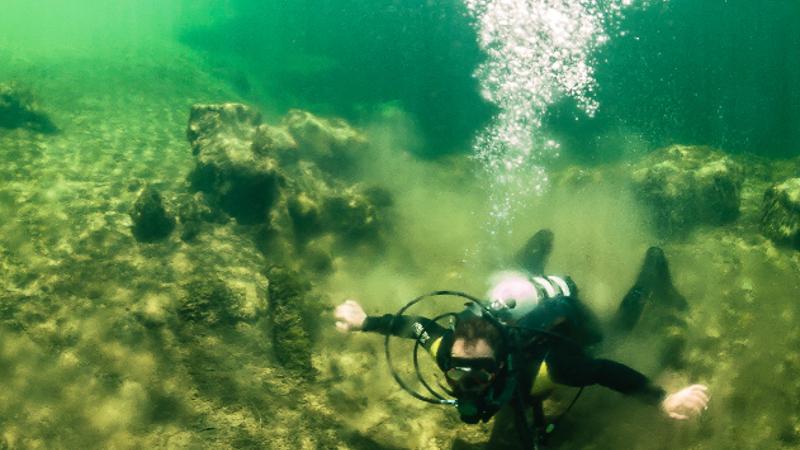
{"type": "Point", "coordinates": [780, 219]}
{"type": "Point", "coordinates": [330, 143]}
{"type": "Point", "coordinates": [209, 301]}
{"type": "Point", "coordinates": [18, 110]}
{"type": "Point", "coordinates": [212, 123]}
{"type": "Point", "coordinates": [194, 214]}
{"type": "Point", "coordinates": [289, 180]}
{"type": "Point", "coordinates": [356, 215]}
{"type": "Point", "coordinates": [240, 182]}
{"type": "Point", "coordinates": [151, 222]}
{"type": "Point", "coordinates": [686, 186]}
{"type": "Point", "coordinates": [291, 309]}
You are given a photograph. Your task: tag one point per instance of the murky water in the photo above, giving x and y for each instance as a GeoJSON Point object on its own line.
{"type": "Point", "coordinates": [443, 135]}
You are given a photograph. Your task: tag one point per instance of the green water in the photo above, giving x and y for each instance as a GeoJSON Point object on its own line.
{"type": "Point", "coordinates": [93, 350]}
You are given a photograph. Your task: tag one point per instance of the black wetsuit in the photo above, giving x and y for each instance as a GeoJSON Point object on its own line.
{"type": "Point", "coordinates": [566, 360]}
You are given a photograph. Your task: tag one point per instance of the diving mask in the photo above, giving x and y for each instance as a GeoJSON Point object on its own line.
{"type": "Point", "coordinates": [471, 374]}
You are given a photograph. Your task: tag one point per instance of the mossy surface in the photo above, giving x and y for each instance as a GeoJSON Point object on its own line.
{"type": "Point", "coordinates": [151, 222]}
{"type": "Point", "coordinates": [293, 306]}
{"type": "Point", "coordinates": [18, 109]}
{"type": "Point", "coordinates": [208, 302]}
{"type": "Point", "coordinates": [688, 186]}
{"type": "Point", "coordinates": [780, 220]}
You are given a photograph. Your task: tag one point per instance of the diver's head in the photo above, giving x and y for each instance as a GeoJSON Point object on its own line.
{"type": "Point", "coordinates": [476, 355]}
{"type": "Point", "coordinates": [476, 360]}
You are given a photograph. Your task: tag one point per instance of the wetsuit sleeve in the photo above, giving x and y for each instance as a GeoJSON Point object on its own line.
{"type": "Point", "coordinates": [578, 369]}
{"type": "Point", "coordinates": [427, 331]}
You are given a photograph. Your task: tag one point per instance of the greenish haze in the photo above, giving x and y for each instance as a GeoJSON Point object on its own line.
{"type": "Point", "coordinates": [221, 334]}
{"type": "Point", "coordinates": [343, 57]}
{"type": "Point", "coordinates": [719, 73]}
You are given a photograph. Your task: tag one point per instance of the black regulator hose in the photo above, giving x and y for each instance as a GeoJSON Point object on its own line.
{"type": "Point", "coordinates": [416, 361]}
{"type": "Point", "coordinates": [439, 399]}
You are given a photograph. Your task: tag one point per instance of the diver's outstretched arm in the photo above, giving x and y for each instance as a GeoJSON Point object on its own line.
{"type": "Point", "coordinates": [350, 316]}
{"type": "Point", "coordinates": [578, 369]}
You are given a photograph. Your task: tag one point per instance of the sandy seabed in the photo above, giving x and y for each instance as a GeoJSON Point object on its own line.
{"type": "Point", "coordinates": [89, 356]}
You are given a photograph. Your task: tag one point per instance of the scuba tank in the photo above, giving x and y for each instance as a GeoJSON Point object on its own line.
{"type": "Point", "coordinates": [515, 294]}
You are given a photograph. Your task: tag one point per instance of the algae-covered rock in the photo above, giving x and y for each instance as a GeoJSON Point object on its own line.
{"type": "Point", "coordinates": [573, 177]}
{"type": "Point", "coordinates": [686, 186]}
{"type": "Point", "coordinates": [275, 142]}
{"type": "Point", "coordinates": [194, 213]}
{"type": "Point", "coordinates": [331, 143]}
{"type": "Point", "coordinates": [209, 124]}
{"type": "Point", "coordinates": [291, 309]}
{"type": "Point", "coordinates": [241, 183]}
{"type": "Point", "coordinates": [780, 219]}
{"type": "Point", "coordinates": [211, 302]}
{"type": "Point", "coordinates": [19, 110]}
{"type": "Point", "coordinates": [287, 178]}
{"type": "Point", "coordinates": [357, 215]}
{"type": "Point", "coordinates": [351, 212]}
{"type": "Point", "coordinates": [151, 222]}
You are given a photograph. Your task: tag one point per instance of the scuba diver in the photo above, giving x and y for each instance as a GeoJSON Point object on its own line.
{"type": "Point", "coordinates": [534, 334]}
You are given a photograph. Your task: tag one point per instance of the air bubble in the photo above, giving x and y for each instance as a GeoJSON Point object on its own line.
{"type": "Point", "coordinates": [538, 51]}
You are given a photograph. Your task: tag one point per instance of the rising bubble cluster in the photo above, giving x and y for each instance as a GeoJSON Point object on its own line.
{"type": "Point", "coordinates": [537, 51]}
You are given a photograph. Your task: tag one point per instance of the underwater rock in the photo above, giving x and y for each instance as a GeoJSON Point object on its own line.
{"type": "Point", "coordinates": [210, 302]}
{"type": "Point", "coordinates": [291, 313]}
{"type": "Point", "coordinates": [18, 110]}
{"type": "Point", "coordinates": [241, 183]}
{"type": "Point", "coordinates": [288, 179]}
{"type": "Point", "coordinates": [151, 222]}
{"type": "Point", "coordinates": [275, 142]}
{"type": "Point", "coordinates": [356, 215]}
{"type": "Point", "coordinates": [686, 186]}
{"type": "Point", "coordinates": [211, 123]}
{"type": "Point", "coordinates": [194, 213]}
{"type": "Point", "coordinates": [351, 212]}
{"type": "Point", "coordinates": [330, 143]}
{"type": "Point", "coordinates": [318, 255]}
{"type": "Point", "coordinates": [780, 219]}
{"type": "Point", "coordinates": [305, 211]}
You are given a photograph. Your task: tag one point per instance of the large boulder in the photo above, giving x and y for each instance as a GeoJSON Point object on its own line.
{"type": "Point", "coordinates": [290, 178]}
{"type": "Point", "coordinates": [242, 183]}
{"type": "Point", "coordinates": [780, 219]}
{"type": "Point", "coordinates": [350, 211]}
{"type": "Point", "coordinates": [151, 221]}
{"type": "Point", "coordinates": [686, 186]}
{"type": "Point", "coordinates": [194, 213]}
{"type": "Point", "coordinates": [19, 110]}
{"type": "Point", "coordinates": [331, 143]}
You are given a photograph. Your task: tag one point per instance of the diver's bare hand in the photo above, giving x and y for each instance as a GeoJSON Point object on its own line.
{"type": "Point", "coordinates": [687, 403]}
{"type": "Point", "coordinates": [350, 316]}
